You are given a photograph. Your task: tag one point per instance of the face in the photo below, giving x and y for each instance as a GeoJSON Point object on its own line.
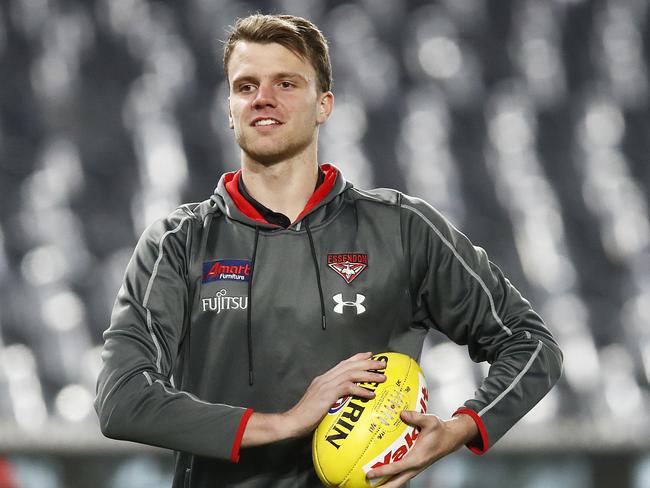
{"type": "Point", "coordinates": [275, 105]}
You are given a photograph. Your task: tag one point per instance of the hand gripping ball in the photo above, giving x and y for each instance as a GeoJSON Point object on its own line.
{"type": "Point", "coordinates": [357, 434]}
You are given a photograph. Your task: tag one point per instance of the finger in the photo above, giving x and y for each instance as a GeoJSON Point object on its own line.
{"type": "Point", "coordinates": [351, 385]}
{"type": "Point", "coordinates": [358, 356]}
{"type": "Point", "coordinates": [357, 391]}
{"type": "Point", "coordinates": [369, 365]}
{"type": "Point", "coordinates": [400, 479]}
{"type": "Point", "coordinates": [364, 364]}
{"type": "Point", "coordinates": [423, 421]}
{"type": "Point", "coordinates": [360, 365]}
{"type": "Point", "coordinates": [392, 469]}
{"type": "Point", "coordinates": [359, 377]}
{"type": "Point", "coordinates": [413, 418]}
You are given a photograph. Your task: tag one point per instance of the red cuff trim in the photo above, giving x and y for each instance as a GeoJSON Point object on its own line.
{"type": "Point", "coordinates": [234, 454]}
{"type": "Point", "coordinates": [475, 446]}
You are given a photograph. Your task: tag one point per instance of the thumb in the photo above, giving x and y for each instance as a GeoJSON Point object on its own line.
{"type": "Point", "coordinates": [412, 417]}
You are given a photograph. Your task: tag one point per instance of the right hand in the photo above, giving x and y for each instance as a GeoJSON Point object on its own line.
{"type": "Point", "coordinates": [325, 389]}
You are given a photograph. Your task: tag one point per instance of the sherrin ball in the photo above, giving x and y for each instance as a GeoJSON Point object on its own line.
{"type": "Point", "coordinates": [358, 434]}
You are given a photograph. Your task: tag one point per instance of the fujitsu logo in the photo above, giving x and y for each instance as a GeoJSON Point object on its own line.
{"type": "Point", "coordinates": [340, 303]}
{"type": "Point", "coordinates": [221, 301]}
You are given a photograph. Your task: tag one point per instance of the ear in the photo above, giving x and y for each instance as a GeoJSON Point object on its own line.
{"type": "Point", "coordinates": [325, 106]}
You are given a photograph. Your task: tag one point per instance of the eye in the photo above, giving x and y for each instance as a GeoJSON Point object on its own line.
{"type": "Point", "coordinates": [246, 88]}
{"type": "Point", "coordinates": [286, 84]}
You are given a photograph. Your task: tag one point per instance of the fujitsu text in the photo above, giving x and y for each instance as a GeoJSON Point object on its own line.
{"type": "Point", "coordinates": [221, 301]}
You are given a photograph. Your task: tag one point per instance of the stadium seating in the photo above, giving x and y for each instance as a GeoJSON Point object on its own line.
{"type": "Point", "coordinates": [524, 122]}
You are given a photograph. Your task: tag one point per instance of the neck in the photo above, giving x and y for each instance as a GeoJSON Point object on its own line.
{"type": "Point", "coordinates": [283, 187]}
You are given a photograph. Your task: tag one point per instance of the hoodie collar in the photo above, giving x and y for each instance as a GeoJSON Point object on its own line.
{"type": "Point", "coordinates": [269, 215]}
{"type": "Point", "coordinates": [236, 206]}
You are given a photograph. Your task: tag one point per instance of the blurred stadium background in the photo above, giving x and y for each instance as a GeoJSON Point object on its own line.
{"type": "Point", "coordinates": [525, 121]}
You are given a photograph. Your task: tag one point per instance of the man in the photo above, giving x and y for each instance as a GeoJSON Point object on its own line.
{"type": "Point", "coordinates": [241, 319]}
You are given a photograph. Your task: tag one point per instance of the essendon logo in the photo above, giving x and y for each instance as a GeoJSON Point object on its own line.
{"type": "Point", "coordinates": [348, 265]}
{"type": "Point", "coordinates": [226, 269]}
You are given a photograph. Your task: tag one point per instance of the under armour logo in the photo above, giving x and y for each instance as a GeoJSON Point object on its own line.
{"type": "Point", "coordinates": [340, 303]}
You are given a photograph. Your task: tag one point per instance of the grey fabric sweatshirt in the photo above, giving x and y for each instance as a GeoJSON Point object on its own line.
{"type": "Point", "coordinates": [222, 314]}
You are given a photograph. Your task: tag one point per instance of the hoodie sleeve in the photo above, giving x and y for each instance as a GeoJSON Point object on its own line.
{"type": "Point", "coordinates": [136, 399]}
{"type": "Point", "coordinates": [457, 290]}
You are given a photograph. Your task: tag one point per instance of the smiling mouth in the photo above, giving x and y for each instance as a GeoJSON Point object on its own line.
{"type": "Point", "coordinates": [266, 122]}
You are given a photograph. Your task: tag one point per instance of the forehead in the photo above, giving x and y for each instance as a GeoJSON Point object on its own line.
{"type": "Point", "coordinates": [259, 60]}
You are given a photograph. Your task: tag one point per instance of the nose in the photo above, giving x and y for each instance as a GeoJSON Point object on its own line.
{"type": "Point", "coordinates": [265, 97]}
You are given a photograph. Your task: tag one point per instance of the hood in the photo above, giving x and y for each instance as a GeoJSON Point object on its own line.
{"type": "Point", "coordinates": [233, 204]}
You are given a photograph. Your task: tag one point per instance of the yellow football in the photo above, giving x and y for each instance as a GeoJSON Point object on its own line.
{"type": "Point", "coordinates": [358, 434]}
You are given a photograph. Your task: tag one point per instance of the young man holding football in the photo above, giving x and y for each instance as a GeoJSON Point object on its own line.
{"type": "Point", "coordinates": [240, 319]}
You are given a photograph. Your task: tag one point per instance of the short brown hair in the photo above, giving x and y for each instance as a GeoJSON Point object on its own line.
{"type": "Point", "coordinates": [298, 35]}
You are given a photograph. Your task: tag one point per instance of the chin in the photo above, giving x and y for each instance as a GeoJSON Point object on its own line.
{"type": "Point", "coordinates": [268, 156]}
{"type": "Point", "coordinates": [266, 159]}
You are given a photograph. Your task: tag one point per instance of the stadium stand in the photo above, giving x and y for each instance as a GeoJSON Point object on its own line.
{"type": "Point", "coordinates": [525, 122]}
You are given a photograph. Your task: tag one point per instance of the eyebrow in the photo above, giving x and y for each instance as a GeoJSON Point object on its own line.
{"type": "Point", "coordinates": [292, 75]}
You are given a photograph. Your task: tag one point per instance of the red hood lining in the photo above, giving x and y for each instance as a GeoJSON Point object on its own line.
{"type": "Point", "coordinates": [231, 183]}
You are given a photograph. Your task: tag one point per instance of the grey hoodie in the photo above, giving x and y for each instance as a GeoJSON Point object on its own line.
{"type": "Point", "coordinates": [222, 314]}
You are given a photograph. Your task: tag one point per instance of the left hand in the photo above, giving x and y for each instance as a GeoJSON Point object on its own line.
{"type": "Point", "coordinates": [436, 439]}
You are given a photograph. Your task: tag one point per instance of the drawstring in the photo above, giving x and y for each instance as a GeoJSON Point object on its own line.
{"type": "Point", "coordinates": [320, 287]}
{"type": "Point", "coordinates": [249, 327]}
{"type": "Point", "coordinates": [250, 307]}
